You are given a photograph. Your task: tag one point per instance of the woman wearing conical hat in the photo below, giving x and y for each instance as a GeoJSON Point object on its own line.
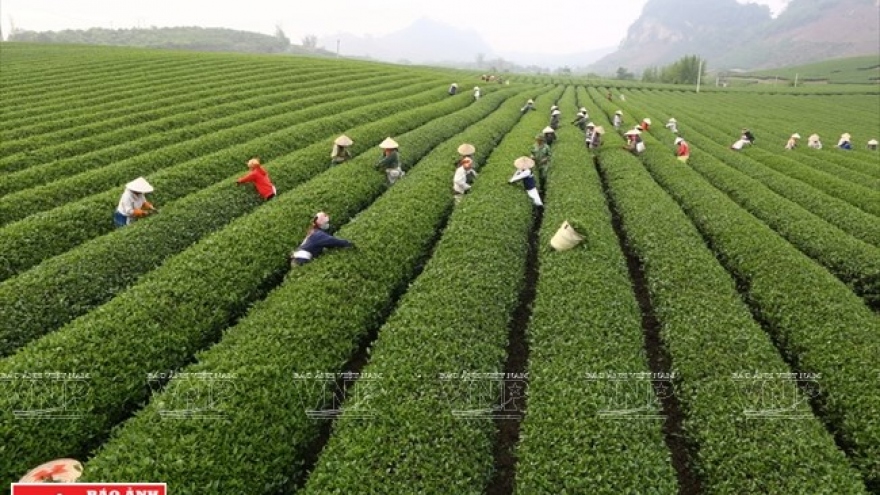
{"type": "Point", "coordinates": [549, 135]}
{"type": "Point", "coordinates": [133, 204]}
{"type": "Point", "coordinates": [589, 130]}
{"type": "Point", "coordinates": [541, 152]}
{"type": "Point", "coordinates": [390, 161]}
{"type": "Point", "coordinates": [617, 120]}
{"type": "Point", "coordinates": [634, 142]}
{"type": "Point", "coordinates": [581, 119]}
{"type": "Point", "coordinates": [554, 119]}
{"type": "Point", "coordinates": [872, 145]}
{"type": "Point", "coordinates": [530, 105]}
{"type": "Point", "coordinates": [672, 125]}
{"type": "Point", "coordinates": [814, 142]}
{"type": "Point", "coordinates": [466, 152]}
{"type": "Point", "coordinates": [524, 173]}
{"type": "Point", "coordinates": [792, 141]}
{"type": "Point", "coordinates": [595, 137]}
{"type": "Point", "coordinates": [340, 151]}
{"type": "Point", "coordinates": [476, 93]}
{"type": "Point", "coordinates": [845, 142]}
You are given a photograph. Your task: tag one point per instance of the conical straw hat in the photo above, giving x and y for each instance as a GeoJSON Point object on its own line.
{"type": "Point", "coordinates": [872, 142]}
{"type": "Point", "coordinates": [389, 144]}
{"type": "Point", "coordinates": [466, 149]}
{"type": "Point", "coordinates": [565, 238]}
{"type": "Point", "coordinates": [523, 163]}
{"type": "Point", "coordinates": [548, 129]}
{"type": "Point", "coordinates": [796, 136]}
{"type": "Point", "coordinates": [647, 121]}
{"type": "Point", "coordinates": [672, 120]}
{"type": "Point", "coordinates": [139, 185]}
{"type": "Point", "coordinates": [632, 132]}
{"type": "Point", "coordinates": [59, 470]}
{"type": "Point", "coordinates": [814, 137]}
{"type": "Point", "coordinates": [599, 130]}
{"type": "Point", "coordinates": [343, 140]}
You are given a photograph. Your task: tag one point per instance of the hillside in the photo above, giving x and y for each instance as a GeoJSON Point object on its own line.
{"type": "Point", "coordinates": [812, 30]}
{"type": "Point", "coordinates": [851, 70]}
{"type": "Point", "coordinates": [181, 38]}
{"type": "Point", "coordinates": [732, 35]}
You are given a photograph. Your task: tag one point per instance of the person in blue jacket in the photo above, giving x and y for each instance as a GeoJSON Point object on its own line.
{"type": "Point", "coordinates": [317, 239]}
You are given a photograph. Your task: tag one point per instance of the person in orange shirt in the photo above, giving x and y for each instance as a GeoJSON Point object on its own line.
{"type": "Point", "coordinates": [260, 178]}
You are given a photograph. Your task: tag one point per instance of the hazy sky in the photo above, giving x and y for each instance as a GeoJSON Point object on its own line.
{"type": "Point", "coordinates": [549, 26]}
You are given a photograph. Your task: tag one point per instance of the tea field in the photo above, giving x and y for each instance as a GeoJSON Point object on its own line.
{"type": "Point", "coordinates": [717, 330]}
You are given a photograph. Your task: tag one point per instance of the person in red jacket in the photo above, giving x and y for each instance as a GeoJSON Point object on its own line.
{"type": "Point", "coordinates": [683, 152]}
{"type": "Point", "coordinates": [260, 178]}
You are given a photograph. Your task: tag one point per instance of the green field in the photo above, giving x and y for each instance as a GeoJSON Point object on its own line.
{"type": "Point", "coordinates": [850, 70]}
{"type": "Point", "coordinates": [716, 331]}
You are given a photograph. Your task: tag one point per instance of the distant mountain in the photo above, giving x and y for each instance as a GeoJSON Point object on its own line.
{"type": "Point", "coordinates": [423, 42]}
{"type": "Point", "coordinates": [733, 35]}
{"type": "Point", "coordinates": [578, 60]}
{"type": "Point", "coordinates": [431, 42]}
{"type": "Point", "coordinates": [810, 31]}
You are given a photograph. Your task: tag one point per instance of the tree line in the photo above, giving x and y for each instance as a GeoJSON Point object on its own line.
{"type": "Point", "coordinates": [187, 38]}
{"type": "Point", "coordinates": [686, 70]}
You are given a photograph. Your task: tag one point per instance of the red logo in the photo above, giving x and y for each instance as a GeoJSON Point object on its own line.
{"type": "Point", "coordinates": [89, 489]}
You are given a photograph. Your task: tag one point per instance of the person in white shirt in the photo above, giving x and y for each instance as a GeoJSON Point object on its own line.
{"type": "Point", "coordinates": [672, 125]}
{"type": "Point", "coordinates": [133, 204]}
{"type": "Point", "coordinates": [460, 184]}
{"type": "Point", "coordinates": [617, 120]}
{"type": "Point", "coordinates": [814, 142]}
